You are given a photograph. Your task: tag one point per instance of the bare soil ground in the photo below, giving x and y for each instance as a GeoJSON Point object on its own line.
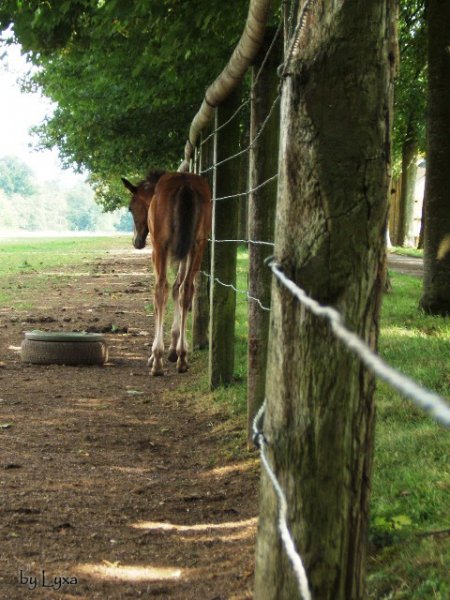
{"type": "Point", "coordinates": [406, 265]}
{"type": "Point", "coordinates": [115, 484]}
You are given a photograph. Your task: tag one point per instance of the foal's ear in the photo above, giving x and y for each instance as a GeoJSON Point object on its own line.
{"type": "Point", "coordinates": [132, 188]}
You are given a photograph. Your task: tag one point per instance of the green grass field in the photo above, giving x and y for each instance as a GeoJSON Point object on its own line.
{"type": "Point", "coordinates": [410, 513]}
{"type": "Point", "coordinates": [47, 259]}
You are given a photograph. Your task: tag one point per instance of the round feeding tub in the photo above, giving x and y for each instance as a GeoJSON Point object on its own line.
{"type": "Point", "coordinates": [62, 348]}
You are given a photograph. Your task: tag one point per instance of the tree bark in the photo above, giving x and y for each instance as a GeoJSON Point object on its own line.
{"type": "Point", "coordinates": [223, 255]}
{"type": "Point", "coordinates": [436, 284]}
{"type": "Point", "coordinates": [330, 239]}
{"type": "Point", "coordinates": [261, 226]}
{"type": "Point", "coordinates": [409, 172]}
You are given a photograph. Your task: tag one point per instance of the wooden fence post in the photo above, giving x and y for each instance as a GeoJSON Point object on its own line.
{"type": "Point", "coordinates": [261, 223]}
{"type": "Point", "coordinates": [243, 180]}
{"type": "Point", "coordinates": [200, 306]}
{"type": "Point", "coordinates": [223, 255]}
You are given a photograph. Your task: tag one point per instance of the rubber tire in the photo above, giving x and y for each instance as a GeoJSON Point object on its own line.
{"type": "Point", "coordinates": [63, 353]}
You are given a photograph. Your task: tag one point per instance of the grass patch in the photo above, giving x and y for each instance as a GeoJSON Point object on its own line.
{"type": "Point", "coordinates": [30, 263]}
{"type": "Point", "coordinates": [411, 479]}
{"type": "Point", "coordinates": [413, 252]}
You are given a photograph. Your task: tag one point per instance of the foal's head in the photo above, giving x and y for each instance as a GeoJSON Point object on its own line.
{"type": "Point", "coordinates": [142, 195]}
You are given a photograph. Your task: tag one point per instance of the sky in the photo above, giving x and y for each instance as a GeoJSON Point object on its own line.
{"type": "Point", "coordinates": [18, 113]}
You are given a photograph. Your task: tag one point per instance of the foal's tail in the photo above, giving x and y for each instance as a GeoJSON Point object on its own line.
{"type": "Point", "coordinates": [185, 221]}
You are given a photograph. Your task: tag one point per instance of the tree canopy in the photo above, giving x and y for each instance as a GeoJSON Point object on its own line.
{"type": "Point", "coordinates": [126, 77]}
{"type": "Point", "coordinates": [15, 177]}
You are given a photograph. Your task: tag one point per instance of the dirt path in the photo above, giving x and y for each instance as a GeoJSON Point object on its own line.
{"type": "Point", "coordinates": [115, 484]}
{"type": "Point", "coordinates": [407, 265]}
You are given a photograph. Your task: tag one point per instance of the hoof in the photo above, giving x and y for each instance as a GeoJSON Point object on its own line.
{"type": "Point", "coordinates": [182, 367]}
{"type": "Point", "coordinates": [173, 356]}
{"type": "Point", "coordinates": [157, 372]}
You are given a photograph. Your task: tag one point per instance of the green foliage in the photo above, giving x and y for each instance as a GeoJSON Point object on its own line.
{"type": "Point", "coordinates": [410, 85]}
{"type": "Point", "coordinates": [127, 77]}
{"type": "Point", "coordinates": [16, 177]}
{"type": "Point", "coordinates": [50, 206]}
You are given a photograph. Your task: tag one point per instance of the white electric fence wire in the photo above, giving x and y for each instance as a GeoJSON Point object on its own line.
{"type": "Point", "coordinates": [288, 542]}
{"type": "Point", "coordinates": [295, 40]}
{"type": "Point", "coordinates": [251, 145]}
{"type": "Point", "coordinates": [255, 189]}
{"type": "Point", "coordinates": [425, 399]}
{"type": "Point", "coordinates": [254, 242]}
{"type": "Point", "coordinates": [244, 292]}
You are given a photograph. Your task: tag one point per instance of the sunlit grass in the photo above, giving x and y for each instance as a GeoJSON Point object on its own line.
{"type": "Point", "coordinates": [413, 252]}
{"type": "Point", "coordinates": [31, 264]}
{"type": "Point", "coordinates": [410, 559]}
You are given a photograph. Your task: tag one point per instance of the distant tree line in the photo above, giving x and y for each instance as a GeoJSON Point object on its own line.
{"type": "Point", "coordinates": [126, 77]}
{"type": "Point", "coordinates": [32, 206]}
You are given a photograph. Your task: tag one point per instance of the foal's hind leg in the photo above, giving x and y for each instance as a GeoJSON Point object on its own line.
{"type": "Point", "coordinates": [175, 333]}
{"type": "Point", "coordinates": [161, 292]}
{"type": "Point", "coordinates": [185, 301]}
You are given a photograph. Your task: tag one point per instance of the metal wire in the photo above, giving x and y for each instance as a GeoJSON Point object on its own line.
{"type": "Point", "coordinates": [425, 399]}
{"type": "Point", "coordinates": [244, 292]}
{"type": "Point", "coordinates": [293, 47]}
{"type": "Point", "coordinates": [254, 242]}
{"type": "Point", "coordinates": [288, 542]}
{"type": "Point", "coordinates": [251, 145]}
{"type": "Point", "coordinates": [258, 187]}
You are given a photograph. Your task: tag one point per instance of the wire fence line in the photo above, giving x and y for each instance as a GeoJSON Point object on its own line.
{"type": "Point", "coordinates": [295, 38]}
{"type": "Point", "coordinates": [244, 292]}
{"type": "Point", "coordinates": [429, 401]}
{"type": "Point", "coordinates": [254, 242]}
{"type": "Point", "coordinates": [252, 143]}
{"type": "Point", "coordinates": [289, 544]}
{"type": "Point", "coordinates": [247, 192]}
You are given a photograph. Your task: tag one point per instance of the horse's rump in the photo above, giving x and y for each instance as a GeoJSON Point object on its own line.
{"type": "Point", "coordinates": [185, 218]}
{"type": "Point", "coordinates": [183, 196]}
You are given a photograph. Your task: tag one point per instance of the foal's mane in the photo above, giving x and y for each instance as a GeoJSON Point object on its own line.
{"type": "Point", "coordinates": [152, 178]}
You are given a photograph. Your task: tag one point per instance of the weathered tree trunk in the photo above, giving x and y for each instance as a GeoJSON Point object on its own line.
{"type": "Point", "coordinates": [200, 305]}
{"type": "Point", "coordinates": [261, 225]}
{"type": "Point", "coordinates": [422, 227]}
{"type": "Point", "coordinates": [223, 255]}
{"type": "Point", "coordinates": [330, 239]}
{"type": "Point", "coordinates": [409, 172]}
{"type": "Point", "coordinates": [436, 284]}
